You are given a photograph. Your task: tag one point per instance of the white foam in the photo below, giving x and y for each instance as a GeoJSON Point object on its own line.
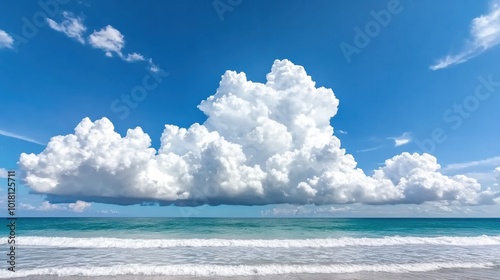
{"type": "Point", "coordinates": [238, 270]}
{"type": "Point", "coordinates": [105, 242]}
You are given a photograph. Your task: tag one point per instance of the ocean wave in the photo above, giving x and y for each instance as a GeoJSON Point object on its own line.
{"type": "Point", "coordinates": [239, 270]}
{"type": "Point", "coordinates": [106, 242]}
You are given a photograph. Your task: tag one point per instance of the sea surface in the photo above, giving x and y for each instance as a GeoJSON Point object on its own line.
{"type": "Point", "coordinates": [271, 248]}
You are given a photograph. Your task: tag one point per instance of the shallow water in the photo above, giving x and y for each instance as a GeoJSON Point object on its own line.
{"type": "Point", "coordinates": [160, 248]}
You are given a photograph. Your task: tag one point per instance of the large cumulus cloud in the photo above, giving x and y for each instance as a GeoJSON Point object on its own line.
{"type": "Point", "coordinates": [261, 144]}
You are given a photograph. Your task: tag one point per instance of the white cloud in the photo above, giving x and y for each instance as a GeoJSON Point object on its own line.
{"type": "Point", "coordinates": [79, 206]}
{"type": "Point", "coordinates": [27, 206]}
{"type": "Point", "coordinates": [485, 33]}
{"type": "Point", "coordinates": [47, 206]}
{"type": "Point", "coordinates": [71, 26]}
{"type": "Point", "coordinates": [342, 131]}
{"type": "Point", "coordinates": [368, 149]}
{"type": "Point", "coordinates": [107, 39]}
{"type": "Point", "coordinates": [133, 57]}
{"type": "Point", "coordinates": [484, 178]}
{"type": "Point", "coordinates": [111, 40]}
{"type": "Point", "coordinates": [152, 66]}
{"type": "Point", "coordinates": [493, 161]}
{"type": "Point", "coordinates": [109, 212]}
{"type": "Point", "coordinates": [268, 143]}
{"type": "Point", "coordinates": [307, 210]}
{"type": "Point", "coordinates": [404, 139]}
{"type": "Point", "coordinates": [6, 41]}
{"type": "Point", "coordinates": [20, 137]}
{"type": "Point", "coordinates": [3, 173]}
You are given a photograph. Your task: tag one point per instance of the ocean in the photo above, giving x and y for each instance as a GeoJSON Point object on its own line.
{"type": "Point", "coordinates": [254, 248]}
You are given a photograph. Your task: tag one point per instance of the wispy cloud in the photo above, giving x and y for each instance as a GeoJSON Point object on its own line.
{"type": "Point", "coordinates": [109, 212]}
{"type": "Point", "coordinates": [369, 149]}
{"type": "Point", "coordinates": [305, 211]}
{"type": "Point", "coordinates": [404, 139]}
{"type": "Point", "coordinates": [20, 137]}
{"type": "Point", "coordinates": [3, 173]}
{"type": "Point", "coordinates": [77, 207]}
{"type": "Point", "coordinates": [27, 206]}
{"type": "Point", "coordinates": [485, 34]}
{"type": "Point", "coordinates": [108, 39]}
{"type": "Point", "coordinates": [489, 162]}
{"type": "Point", "coordinates": [47, 206]}
{"type": "Point", "coordinates": [342, 131]}
{"type": "Point", "coordinates": [6, 41]}
{"type": "Point", "coordinates": [484, 178]}
{"type": "Point", "coordinates": [71, 26]}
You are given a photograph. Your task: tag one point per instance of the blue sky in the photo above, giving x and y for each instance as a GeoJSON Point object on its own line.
{"type": "Point", "coordinates": [396, 90]}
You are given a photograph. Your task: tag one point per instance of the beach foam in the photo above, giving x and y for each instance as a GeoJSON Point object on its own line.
{"type": "Point", "coordinates": [105, 242]}
{"type": "Point", "coordinates": [239, 270]}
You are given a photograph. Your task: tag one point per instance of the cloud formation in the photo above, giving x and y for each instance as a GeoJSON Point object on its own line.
{"type": "Point", "coordinates": [3, 173]}
{"type": "Point", "coordinates": [71, 26]}
{"type": "Point", "coordinates": [108, 39]}
{"type": "Point", "coordinates": [404, 139]}
{"type": "Point", "coordinates": [6, 41]}
{"type": "Point", "coordinates": [485, 34]}
{"type": "Point", "coordinates": [20, 137]}
{"type": "Point", "coordinates": [262, 143]}
{"type": "Point", "coordinates": [47, 206]}
{"type": "Point", "coordinates": [111, 40]}
{"type": "Point", "coordinates": [77, 207]}
{"type": "Point", "coordinates": [305, 211]}
{"type": "Point", "coordinates": [27, 206]}
{"type": "Point", "coordinates": [493, 161]}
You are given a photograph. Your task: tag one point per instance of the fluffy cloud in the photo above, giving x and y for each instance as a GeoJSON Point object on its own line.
{"type": "Point", "coordinates": [262, 143]}
{"type": "Point", "coordinates": [6, 41]}
{"type": "Point", "coordinates": [71, 26]}
{"type": "Point", "coordinates": [47, 206]}
{"type": "Point", "coordinates": [111, 40]}
{"type": "Point", "coordinates": [107, 39]}
{"type": "Point", "coordinates": [79, 206]}
{"type": "Point", "coordinates": [131, 57]}
{"type": "Point", "coordinates": [485, 34]}
{"type": "Point", "coordinates": [497, 174]}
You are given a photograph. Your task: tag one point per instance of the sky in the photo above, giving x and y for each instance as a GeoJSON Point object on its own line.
{"type": "Point", "coordinates": [251, 108]}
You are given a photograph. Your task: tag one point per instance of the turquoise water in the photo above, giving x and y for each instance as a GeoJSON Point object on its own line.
{"type": "Point", "coordinates": [154, 247]}
{"type": "Point", "coordinates": [268, 228]}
